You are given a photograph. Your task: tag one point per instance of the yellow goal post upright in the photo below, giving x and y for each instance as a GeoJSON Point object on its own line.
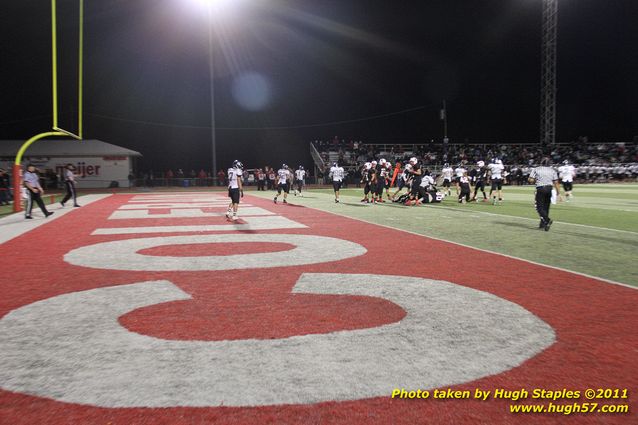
{"type": "Point", "coordinates": [57, 130]}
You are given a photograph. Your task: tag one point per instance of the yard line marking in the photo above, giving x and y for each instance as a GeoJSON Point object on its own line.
{"type": "Point", "coordinates": [536, 219]}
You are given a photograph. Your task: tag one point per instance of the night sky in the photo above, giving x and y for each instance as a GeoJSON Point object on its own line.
{"type": "Point", "coordinates": [288, 72]}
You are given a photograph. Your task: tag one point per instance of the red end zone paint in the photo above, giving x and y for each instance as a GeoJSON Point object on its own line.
{"type": "Point", "coordinates": [594, 321]}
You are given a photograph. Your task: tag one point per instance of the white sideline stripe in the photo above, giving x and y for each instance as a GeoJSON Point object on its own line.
{"type": "Point", "coordinates": [536, 219]}
{"type": "Point", "coordinates": [170, 205]}
{"type": "Point", "coordinates": [602, 279]}
{"type": "Point", "coordinates": [15, 225]}
{"type": "Point", "coordinates": [251, 223]}
{"type": "Point", "coordinates": [183, 213]}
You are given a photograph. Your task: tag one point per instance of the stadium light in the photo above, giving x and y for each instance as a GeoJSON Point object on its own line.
{"type": "Point", "coordinates": [214, 8]}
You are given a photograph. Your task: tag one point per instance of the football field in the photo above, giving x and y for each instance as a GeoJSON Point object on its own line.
{"type": "Point", "coordinates": [596, 233]}
{"type": "Point", "coordinates": [152, 307]}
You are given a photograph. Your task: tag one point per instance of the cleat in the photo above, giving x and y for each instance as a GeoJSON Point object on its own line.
{"type": "Point", "coordinates": [285, 202]}
{"type": "Point", "coordinates": [48, 214]}
{"type": "Point", "coordinates": [275, 200]}
{"type": "Point", "coordinates": [62, 204]}
{"type": "Point", "coordinates": [235, 218]}
{"type": "Point", "coordinates": [541, 224]}
{"type": "Point", "coordinates": [76, 206]}
{"type": "Point", "coordinates": [28, 217]}
{"type": "Point", "coordinates": [548, 225]}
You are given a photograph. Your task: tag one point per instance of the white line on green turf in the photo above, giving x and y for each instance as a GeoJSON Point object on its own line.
{"type": "Point", "coordinates": [488, 251]}
{"type": "Point", "coordinates": [602, 279]}
{"type": "Point", "coordinates": [535, 219]}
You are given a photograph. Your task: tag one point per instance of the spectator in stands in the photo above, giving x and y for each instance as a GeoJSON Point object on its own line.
{"type": "Point", "coordinates": [221, 178]}
{"type": "Point", "coordinates": [4, 187]}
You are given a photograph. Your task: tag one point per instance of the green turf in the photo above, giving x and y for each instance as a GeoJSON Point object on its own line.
{"type": "Point", "coordinates": [595, 234]}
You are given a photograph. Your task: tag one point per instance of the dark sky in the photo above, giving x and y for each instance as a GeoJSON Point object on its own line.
{"type": "Point", "coordinates": [285, 68]}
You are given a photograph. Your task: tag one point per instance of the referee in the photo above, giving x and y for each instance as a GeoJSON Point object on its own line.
{"type": "Point", "coordinates": [34, 190]}
{"type": "Point", "coordinates": [69, 183]}
{"type": "Point", "coordinates": [545, 178]}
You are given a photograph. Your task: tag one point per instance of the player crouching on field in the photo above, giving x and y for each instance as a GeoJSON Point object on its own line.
{"type": "Point", "coordinates": [235, 189]}
{"type": "Point", "coordinates": [464, 188]}
{"type": "Point", "coordinates": [417, 175]}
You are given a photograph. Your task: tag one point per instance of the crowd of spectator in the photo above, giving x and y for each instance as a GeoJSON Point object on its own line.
{"type": "Point", "coordinates": [580, 152]}
{"type": "Point", "coordinates": [263, 178]}
{"type": "Point", "coordinates": [594, 161]}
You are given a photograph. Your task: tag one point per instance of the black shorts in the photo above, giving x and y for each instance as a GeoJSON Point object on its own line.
{"type": "Point", "coordinates": [480, 185]}
{"type": "Point", "coordinates": [336, 185]}
{"type": "Point", "coordinates": [283, 186]}
{"type": "Point", "coordinates": [366, 188]}
{"type": "Point", "coordinates": [401, 183]}
{"type": "Point", "coordinates": [233, 194]}
{"type": "Point", "coordinates": [568, 186]}
{"type": "Point", "coordinates": [497, 184]}
{"type": "Point", "coordinates": [380, 186]}
{"type": "Point", "coordinates": [446, 183]}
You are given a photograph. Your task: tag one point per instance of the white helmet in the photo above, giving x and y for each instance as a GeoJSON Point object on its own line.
{"type": "Point", "coordinates": [382, 161]}
{"type": "Point", "coordinates": [413, 160]}
{"type": "Point", "coordinates": [374, 163]}
{"type": "Point", "coordinates": [498, 161]}
{"type": "Point", "coordinates": [480, 163]}
{"type": "Point", "coordinates": [388, 164]}
{"type": "Point", "coordinates": [367, 165]}
{"type": "Point", "coordinates": [408, 167]}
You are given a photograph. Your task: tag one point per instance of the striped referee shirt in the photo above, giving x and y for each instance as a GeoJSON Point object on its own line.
{"type": "Point", "coordinates": [544, 176]}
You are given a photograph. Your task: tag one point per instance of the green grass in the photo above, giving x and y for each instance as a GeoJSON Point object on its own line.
{"type": "Point", "coordinates": [596, 233]}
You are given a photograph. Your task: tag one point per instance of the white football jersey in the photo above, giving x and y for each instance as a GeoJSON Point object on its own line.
{"type": "Point", "coordinates": [233, 175]}
{"type": "Point", "coordinates": [426, 181]}
{"type": "Point", "coordinates": [460, 171]}
{"type": "Point", "coordinates": [496, 170]}
{"type": "Point", "coordinates": [300, 174]}
{"type": "Point", "coordinates": [447, 173]}
{"type": "Point", "coordinates": [567, 173]}
{"type": "Point", "coordinates": [283, 175]}
{"type": "Point", "coordinates": [337, 173]}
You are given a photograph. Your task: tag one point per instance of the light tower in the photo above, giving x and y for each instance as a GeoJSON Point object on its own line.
{"type": "Point", "coordinates": [548, 73]}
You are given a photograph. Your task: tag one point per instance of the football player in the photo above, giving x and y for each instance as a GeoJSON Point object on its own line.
{"type": "Point", "coordinates": [446, 173]}
{"type": "Point", "coordinates": [235, 189]}
{"type": "Point", "coordinates": [480, 177]}
{"type": "Point", "coordinates": [300, 175]}
{"type": "Point", "coordinates": [416, 176]}
{"type": "Point", "coordinates": [369, 179]}
{"type": "Point", "coordinates": [337, 174]}
{"type": "Point", "coordinates": [383, 174]}
{"type": "Point", "coordinates": [284, 177]}
{"type": "Point", "coordinates": [496, 175]}
{"type": "Point", "coordinates": [389, 179]}
{"type": "Point", "coordinates": [458, 173]}
{"type": "Point", "coordinates": [464, 189]}
{"type": "Point", "coordinates": [567, 173]}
